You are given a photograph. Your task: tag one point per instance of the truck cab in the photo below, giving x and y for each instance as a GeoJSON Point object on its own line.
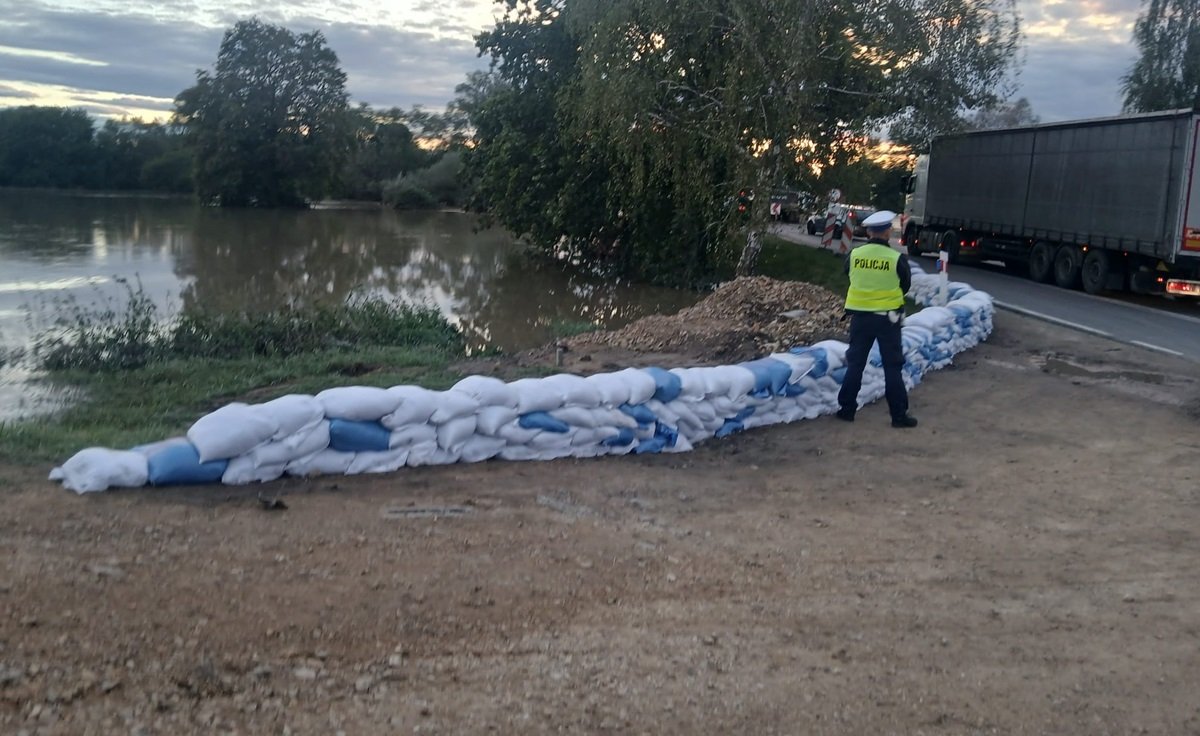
{"type": "Point", "coordinates": [915, 188]}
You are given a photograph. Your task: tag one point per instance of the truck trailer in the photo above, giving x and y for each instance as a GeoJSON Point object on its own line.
{"type": "Point", "coordinates": [1105, 204]}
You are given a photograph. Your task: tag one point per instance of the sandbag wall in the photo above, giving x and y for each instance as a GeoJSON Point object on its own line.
{"type": "Point", "coordinates": [359, 429]}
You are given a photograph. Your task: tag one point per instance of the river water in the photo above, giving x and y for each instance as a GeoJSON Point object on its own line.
{"type": "Point", "coordinates": [60, 248]}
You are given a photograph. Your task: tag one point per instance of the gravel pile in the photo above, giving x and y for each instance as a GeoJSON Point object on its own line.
{"type": "Point", "coordinates": [743, 318]}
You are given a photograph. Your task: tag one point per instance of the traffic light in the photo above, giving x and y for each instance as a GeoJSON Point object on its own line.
{"type": "Point", "coordinates": [744, 198]}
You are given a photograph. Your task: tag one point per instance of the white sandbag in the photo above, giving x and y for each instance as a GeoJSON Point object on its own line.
{"type": "Point", "coordinates": [519, 452]}
{"type": "Point", "coordinates": [835, 352]}
{"type": "Point", "coordinates": [454, 405]}
{"type": "Point", "coordinates": [232, 430]}
{"type": "Point", "coordinates": [452, 434]}
{"type": "Point", "coordinates": [734, 379]}
{"type": "Point", "coordinates": [416, 405]}
{"type": "Point", "coordinates": [691, 383]}
{"type": "Point", "coordinates": [574, 389]}
{"type": "Point", "coordinates": [488, 391]}
{"type": "Point", "coordinates": [97, 469]}
{"type": "Point", "coordinates": [480, 448]}
{"type": "Point", "coordinates": [382, 461]}
{"type": "Point", "coordinates": [325, 462]}
{"type": "Point", "coordinates": [614, 418]}
{"type": "Point", "coordinates": [515, 435]}
{"type": "Point", "coordinates": [293, 413]}
{"type": "Point", "coordinates": [547, 440]}
{"type": "Point", "coordinates": [584, 437]}
{"type": "Point", "coordinates": [577, 416]}
{"type": "Point", "coordinates": [641, 384]}
{"type": "Point", "coordinates": [412, 435]}
{"type": "Point", "coordinates": [358, 403]}
{"type": "Point", "coordinates": [242, 470]}
{"type": "Point", "coordinates": [534, 394]}
{"type": "Point", "coordinates": [490, 419]}
{"type": "Point", "coordinates": [299, 445]}
{"type": "Point", "coordinates": [437, 456]}
{"type": "Point", "coordinates": [682, 444]}
{"type": "Point", "coordinates": [614, 390]}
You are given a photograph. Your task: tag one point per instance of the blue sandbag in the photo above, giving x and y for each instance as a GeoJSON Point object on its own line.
{"type": "Point", "coordinates": [793, 390]}
{"type": "Point", "coordinates": [668, 434]}
{"type": "Point", "coordinates": [729, 427]}
{"type": "Point", "coordinates": [650, 446]}
{"type": "Point", "coordinates": [348, 436]}
{"type": "Point", "coordinates": [667, 385]}
{"type": "Point", "coordinates": [179, 464]}
{"type": "Point", "coordinates": [819, 358]}
{"type": "Point", "coordinates": [626, 437]}
{"type": "Point", "coordinates": [543, 421]}
{"type": "Point", "coordinates": [839, 374]}
{"type": "Point", "coordinates": [640, 413]}
{"type": "Point", "coordinates": [744, 414]}
{"type": "Point", "coordinates": [770, 376]}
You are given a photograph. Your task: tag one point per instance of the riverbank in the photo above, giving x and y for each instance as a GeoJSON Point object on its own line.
{"type": "Point", "coordinates": [1016, 564]}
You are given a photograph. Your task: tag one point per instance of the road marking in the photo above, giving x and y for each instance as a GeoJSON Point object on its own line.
{"type": "Point", "coordinates": [1054, 320]}
{"type": "Point", "coordinates": [1157, 348]}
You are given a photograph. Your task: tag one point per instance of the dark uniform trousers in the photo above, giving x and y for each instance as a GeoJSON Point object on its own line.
{"type": "Point", "coordinates": [865, 329]}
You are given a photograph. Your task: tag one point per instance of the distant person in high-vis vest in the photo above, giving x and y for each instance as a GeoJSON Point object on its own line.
{"type": "Point", "coordinates": [879, 279]}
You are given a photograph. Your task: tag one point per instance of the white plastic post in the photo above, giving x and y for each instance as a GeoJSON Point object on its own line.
{"type": "Point", "coordinates": [944, 278]}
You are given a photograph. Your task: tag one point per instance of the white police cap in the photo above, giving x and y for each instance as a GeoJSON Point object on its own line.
{"type": "Point", "coordinates": [879, 220]}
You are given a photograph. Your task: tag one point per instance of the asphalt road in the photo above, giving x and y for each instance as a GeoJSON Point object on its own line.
{"type": "Point", "coordinates": [1155, 323]}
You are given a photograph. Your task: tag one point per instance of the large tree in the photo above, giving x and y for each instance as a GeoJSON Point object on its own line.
{"type": "Point", "coordinates": [270, 123]}
{"type": "Point", "coordinates": [1167, 74]}
{"type": "Point", "coordinates": [46, 147]}
{"type": "Point", "coordinates": [630, 126]}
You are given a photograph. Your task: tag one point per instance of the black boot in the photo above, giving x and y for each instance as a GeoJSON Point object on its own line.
{"type": "Point", "coordinates": [905, 422]}
{"type": "Point", "coordinates": [846, 415]}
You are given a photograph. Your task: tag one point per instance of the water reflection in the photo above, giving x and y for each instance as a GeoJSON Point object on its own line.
{"type": "Point", "coordinates": [56, 247]}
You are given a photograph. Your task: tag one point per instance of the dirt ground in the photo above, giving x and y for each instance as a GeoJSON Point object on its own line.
{"type": "Point", "coordinates": [1025, 561]}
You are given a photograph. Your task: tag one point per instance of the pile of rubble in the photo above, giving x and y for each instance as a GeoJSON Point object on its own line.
{"type": "Point", "coordinates": [742, 319]}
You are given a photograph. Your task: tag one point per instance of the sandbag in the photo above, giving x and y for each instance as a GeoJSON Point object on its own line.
{"type": "Point", "coordinates": [453, 405]}
{"type": "Point", "coordinates": [533, 395]}
{"type": "Point", "coordinates": [179, 464]}
{"type": "Point", "coordinates": [232, 430]}
{"type": "Point", "coordinates": [293, 413]}
{"type": "Point", "coordinates": [667, 385]}
{"type": "Point", "coordinates": [415, 406]}
{"type": "Point", "coordinates": [479, 448]}
{"type": "Point", "coordinates": [641, 385]}
{"type": "Point", "coordinates": [348, 436]}
{"type": "Point", "coordinates": [613, 389]}
{"type": "Point", "coordinates": [299, 445]}
{"type": "Point", "coordinates": [488, 391]}
{"type": "Point", "coordinates": [412, 435]}
{"type": "Point", "coordinates": [490, 419]}
{"type": "Point", "coordinates": [98, 469]}
{"type": "Point", "coordinates": [384, 461]}
{"type": "Point", "coordinates": [452, 434]}
{"type": "Point", "coordinates": [575, 390]}
{"type": "Point", "coordinates": [243, 470]}
{"type": "Point", "coordinates": [543, 421]}
{"type": "Point", "coordinates": [358, 403]}
{"type": "Point", "coordinates": [325, 462]}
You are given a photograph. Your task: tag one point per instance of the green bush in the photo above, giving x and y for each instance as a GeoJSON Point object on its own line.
{"type": "Point", "coordinates": [404, 195]}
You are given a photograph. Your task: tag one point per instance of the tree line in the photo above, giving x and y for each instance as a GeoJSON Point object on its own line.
{"type": "Point", "coordinates": [615, 133]}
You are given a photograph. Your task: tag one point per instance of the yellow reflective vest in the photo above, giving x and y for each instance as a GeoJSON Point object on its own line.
{"type": "Point", "coordinates": [874, 283]}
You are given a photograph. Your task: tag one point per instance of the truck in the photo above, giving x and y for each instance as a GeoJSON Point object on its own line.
{"type": "Point", "coordinates": [1103, 204]}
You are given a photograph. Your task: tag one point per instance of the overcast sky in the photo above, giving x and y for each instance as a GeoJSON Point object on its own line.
{"type": "Point", "coordinates": [118, 57]}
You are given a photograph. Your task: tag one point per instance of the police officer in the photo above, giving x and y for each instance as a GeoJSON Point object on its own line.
{"type": "Point", "coordinates": [879, 279]}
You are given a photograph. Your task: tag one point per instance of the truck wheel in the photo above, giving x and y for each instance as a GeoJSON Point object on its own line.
{"type": "Point", "coordinates": [910, 240]}
{"type": "Point", "coordinates": [950, 244]}
{"type": "Point", "coordinates": [1067, 267]}
{"type": "Point", "coordinates": [1095, 271]}
{"type": "Point", "coordinates": [1041, 263]}
{"type": "Point", "coordinates": [812, 228]}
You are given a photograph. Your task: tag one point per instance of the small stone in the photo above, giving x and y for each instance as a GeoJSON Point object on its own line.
{"type": "Point", "coordinates": [395, 660]}
{"type": "Point", "coordinates": [363, 684]}
{"type": "Point", "coordinates": [261, 672]}
{"type": "Point", "coordinates": [305, 673]}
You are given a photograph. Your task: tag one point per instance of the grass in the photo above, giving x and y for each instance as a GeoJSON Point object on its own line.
{"type": "Point", "coordinates": [781, 259]}
{"type": "Point", "coordinates": [142, 381]}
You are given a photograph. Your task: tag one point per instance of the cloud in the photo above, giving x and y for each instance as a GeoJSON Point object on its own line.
{"type": "Point", "coordinates": [156, 56]}
{"type": "Point", "coordinates": [10, 92]}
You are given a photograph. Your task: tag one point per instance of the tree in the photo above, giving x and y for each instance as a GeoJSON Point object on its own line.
{"type": "Point", "coordinates": [631, 125]}
{"type": "Point", "coordinates": [1167, 74]}
{"type": "Point", "coordinates": [1003, 115]}
{"type": "Point", "coordinates": [270, 124]}
{"type": "Point", "coordinates": [46, 147]}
